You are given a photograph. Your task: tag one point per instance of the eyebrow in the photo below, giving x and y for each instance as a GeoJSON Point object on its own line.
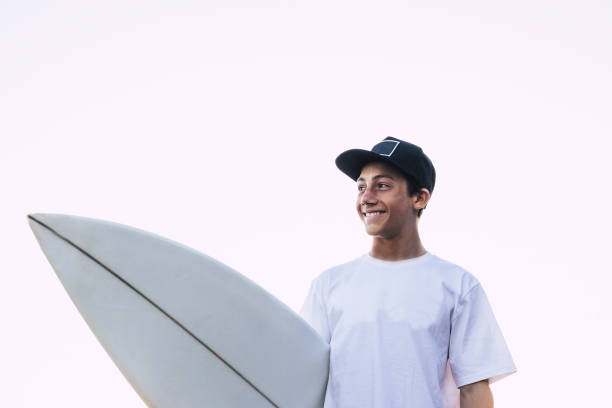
{"type": "Point", "coordinates": [379, 176]}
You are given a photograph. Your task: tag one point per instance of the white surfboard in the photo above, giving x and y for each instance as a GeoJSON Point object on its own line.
{"type": "Point", "coordinates": [184, 329]}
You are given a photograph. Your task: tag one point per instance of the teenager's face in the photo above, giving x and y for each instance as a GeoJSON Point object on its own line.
{"type": "Point", "coordinates": [383, 203]}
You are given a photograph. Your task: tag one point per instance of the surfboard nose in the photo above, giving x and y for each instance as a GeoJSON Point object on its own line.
{"type": "Point", "coordinates": [33, 220]}
{"type": "Point", "coordinates": [46, 220]}
{"type": "Point", "coordinates": [35, 225]}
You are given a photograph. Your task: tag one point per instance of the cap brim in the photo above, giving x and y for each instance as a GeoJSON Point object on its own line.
{"type": "Point", "coordinates": [352, 161]}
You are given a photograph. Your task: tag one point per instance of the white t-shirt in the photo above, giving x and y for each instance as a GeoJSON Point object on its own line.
{"type": "Point", "coordinates": [405, 333]}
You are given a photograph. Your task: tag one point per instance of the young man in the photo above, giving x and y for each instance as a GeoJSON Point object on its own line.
{"type": "Point", "coordinates": [405, 327]}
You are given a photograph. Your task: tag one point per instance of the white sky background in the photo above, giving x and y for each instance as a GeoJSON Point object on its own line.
{"type": "Point", "coordinates": [216, 124]}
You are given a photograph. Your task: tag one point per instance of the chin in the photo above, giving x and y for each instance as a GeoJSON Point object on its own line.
{"type": "Point", "coordinates": [373, 231]}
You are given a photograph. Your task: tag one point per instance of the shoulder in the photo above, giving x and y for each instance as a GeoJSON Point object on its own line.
{"type": "Point", "coordinates": [331, 276]}
{"type": "Point", "coordinates": [453, 275]}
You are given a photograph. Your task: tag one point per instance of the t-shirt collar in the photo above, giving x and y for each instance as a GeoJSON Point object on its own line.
{"type": "Point", "coordinates": [403, 262]}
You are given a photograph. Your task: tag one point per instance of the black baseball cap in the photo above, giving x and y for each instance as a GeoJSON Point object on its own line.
{"type": "Point", "coordinates": [406, 157]}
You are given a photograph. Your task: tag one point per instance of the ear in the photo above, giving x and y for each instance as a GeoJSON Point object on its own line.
{"type": "Point", "coordinates": [421, 199]}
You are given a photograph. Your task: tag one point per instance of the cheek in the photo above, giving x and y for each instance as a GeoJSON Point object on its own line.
{"type": "Point", "coordinates": [358, 208]}
{"type": "Point", "coordinates": [400, 207]}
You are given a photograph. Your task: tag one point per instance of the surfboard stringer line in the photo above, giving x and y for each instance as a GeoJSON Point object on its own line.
{"type": "Point", "coordinates": [175, 321]}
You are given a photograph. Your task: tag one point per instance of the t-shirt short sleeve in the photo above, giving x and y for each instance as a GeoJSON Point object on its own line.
{"type": "Point", "coordinates": [477, 349]}
{"type": "Point", "coordinates": [313, 311]}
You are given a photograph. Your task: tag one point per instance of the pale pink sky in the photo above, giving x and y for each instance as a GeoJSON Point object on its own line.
{"type": "Point", "coordinates": [216, 124]}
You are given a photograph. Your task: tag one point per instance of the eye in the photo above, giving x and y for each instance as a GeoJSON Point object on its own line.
{"type": "Point", "coordinates": [383, 185]}
{"type": "Point", "coordinates": [361, 188]}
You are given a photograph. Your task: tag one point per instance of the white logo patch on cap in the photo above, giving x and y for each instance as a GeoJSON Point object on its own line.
{"type": "Point", "coordinates": [386, 147]}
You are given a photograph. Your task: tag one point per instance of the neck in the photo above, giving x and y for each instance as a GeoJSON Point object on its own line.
{"type": "Point", "coordinates": [404, 246]}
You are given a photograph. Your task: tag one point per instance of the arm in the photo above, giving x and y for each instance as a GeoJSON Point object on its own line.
{"type": "Point", "coordinates": [476, 395]}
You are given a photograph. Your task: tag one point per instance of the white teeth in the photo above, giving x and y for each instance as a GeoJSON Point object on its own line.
{"type": "Point", "coordinates": [372, 213]}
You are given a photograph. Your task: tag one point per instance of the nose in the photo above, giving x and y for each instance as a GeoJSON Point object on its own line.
{"type": "Point", "coordinates": [368, 198]}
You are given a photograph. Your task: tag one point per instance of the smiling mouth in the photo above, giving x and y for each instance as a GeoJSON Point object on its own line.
{"type": "Point", "coordinates": [373, 213]}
